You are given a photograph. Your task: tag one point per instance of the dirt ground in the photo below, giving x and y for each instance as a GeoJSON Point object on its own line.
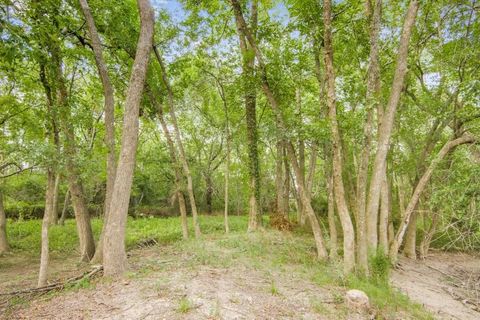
{"type": "Point", "coordinates": [164, 284]}
{"type": "Point", "coordinates": [447, 284]}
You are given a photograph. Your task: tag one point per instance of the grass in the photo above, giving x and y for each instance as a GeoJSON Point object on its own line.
{"type": "Point", "coordinates": [269, 251]}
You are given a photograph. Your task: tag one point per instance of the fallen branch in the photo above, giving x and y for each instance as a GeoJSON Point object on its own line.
{"type": "Point", "coordinates": [57, 285]}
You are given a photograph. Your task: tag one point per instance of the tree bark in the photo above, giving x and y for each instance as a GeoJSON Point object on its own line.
{"type": "Point", "coordinates": [332, 225]}
{"type": "Point", "coordinates": [109, 107]}
{"type": "Point", "coordinates": [114, 255]}
{"type": "Point", "coordinates": [301, 150]}
{"type": "Point", "coordinates": [386, 127]}
{"type": "Point", "coordinates": [317, 232]}
{"type": "Point", "coordinates": [339, 190]}
{"type": "Point", "coordinates": [422, 183]}
{"type": "Point", "coordinates": [4, 247]}
{"type": "Point", "coordinates": [178, 139]}
{"type": "Point", "coordinates": [385, 208]}
{"type": "Point", "coordinates": [47, 216]}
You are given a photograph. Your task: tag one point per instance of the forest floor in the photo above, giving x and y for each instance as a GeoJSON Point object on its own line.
{"type": "Point", "coordinates": [265, 275]}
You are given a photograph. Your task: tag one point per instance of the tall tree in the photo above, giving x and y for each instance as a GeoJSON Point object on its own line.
{"type": "Point", "coordinates": [243, 30]}
{"type": "Point", "coordinates": [386, 127]}
{"type": "Point", "coordinates": [114, 256]}
{"type": "Point", "coordinates": [109, 111]}
{"type": "Point", "coordinates": [339, 190]}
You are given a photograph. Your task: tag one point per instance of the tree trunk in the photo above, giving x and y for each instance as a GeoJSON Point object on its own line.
{"type": "Point", "coordinates": [208, 191]}
{"type": "Point", "coordinates": [181, 153]}
{"type": "Point", "coordinates": [422, 183]}
{"type": "Point", "coordinates": [339, 190]}
{"type": "Point", "coordinates": [386, 127]}
{"type": "Point", "coordinates": [47, 216]}
{"type": "Point", "coordinates": [373, 92]}
{"type": "Point", "coordinates": [114, 255]}
{"type": "Point", "coordinates": [385, 208]}
{"type": "Point", "coordinates": [248, 74]}
{"type": "Point", "coordinates": [279, 179]}
{"type": "Point", "coordinates": [109, 107]}
{"type": "Point", "coordinates": [427, 237]}
{"type": "Point", "coordinates": [286, 184]}
{"type": "Point", "coordinates": [4, 247]}
{"type": "Point", "coordinates": [305, 200]}
{"type": "Point", "coordinates": [65, 208]}
{"type": "Point", "coordinates": [301, 151]}
{"type": "Point", "coordinates": [54, 218]}
{"type": "Point", "coordinates": [332, 226]}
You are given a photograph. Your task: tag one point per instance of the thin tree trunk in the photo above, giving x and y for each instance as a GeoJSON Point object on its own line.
{"type": "Point", "coordinates": [183, 157]}
{"type": "Point", "coordinates": [427, 237]}
{"type": "Point", "coordinates": [279, 178]}
{"type": "Point", "coordinates": [54, 218]}
{"type": "Point", "coordinates": [65, 208]}
{"type": "Point", "coordinates": [47, 216]}
{"type": "Point", "coordinates": [301, 150]}
{"type": "Point", "coordinates": [109, 107]}
{"type": "Point", "coordinates": [305, 200]}
{"type": "Point", "coordinates": [339, 190]}
{"type": "Point", "coordinates": [4, 247]}
{"type": "Point", "coordinates": [114, 255]}
{"type": "Point", "coordinates": [286, 185]}
{"type": "Point", "coordinates": [386, 127]}
{"type": "Point", "coordinates": [227, 162]}
{"type": "Point", "coordinates": [208, 191]}
{"type": "Point", "coordinates": [422, 183]}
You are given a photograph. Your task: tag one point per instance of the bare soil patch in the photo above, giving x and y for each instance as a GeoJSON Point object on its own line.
{"type": "Point", "coordinates": [447, 284]}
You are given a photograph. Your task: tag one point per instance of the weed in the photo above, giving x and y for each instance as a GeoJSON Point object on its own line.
{"type": "Point", "coordinates": [184, 305]}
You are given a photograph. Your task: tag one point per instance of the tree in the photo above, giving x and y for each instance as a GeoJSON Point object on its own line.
{"type": "Point", "coordinates": [114, 239]}
{"type": "Point", "coordinates": [109, 107]}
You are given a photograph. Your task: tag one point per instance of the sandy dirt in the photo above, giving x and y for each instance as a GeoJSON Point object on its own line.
{"type": "Point", "coordinates": [447, 284]}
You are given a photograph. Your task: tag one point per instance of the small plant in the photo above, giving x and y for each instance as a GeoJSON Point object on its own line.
{"type": "Point", "coordinates": [184, 305]}
{"type": "Point", "coordinates": [273, 289]}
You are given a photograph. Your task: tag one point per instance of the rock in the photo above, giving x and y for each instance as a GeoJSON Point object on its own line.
{"type": "Point", "coordinates": [357, 300]}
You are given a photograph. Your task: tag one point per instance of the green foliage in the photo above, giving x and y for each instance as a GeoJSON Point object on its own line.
{"type": "Point", "coordinates": [379, 267]}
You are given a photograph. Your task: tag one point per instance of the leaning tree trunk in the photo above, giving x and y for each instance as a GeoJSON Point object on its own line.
{"type": "Point", "coordinates": [422, 183]}
{"type": "Point", "coordinates": [109, 107]}
{"type": "Point", "coordinates": [114, 255]}
{"type": "Point", "coordinates": [301, 190]}
{"type": "Point", "coordinates": [4, 247]}
{"type": "Point", "coordinates": [178, 139]}
{"type": "Point", "coordinates": [339, 190]}
{"type": "Point", "coordinates": [47, 216]}
{"type": "Point", "coordinates": [386, 127]}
